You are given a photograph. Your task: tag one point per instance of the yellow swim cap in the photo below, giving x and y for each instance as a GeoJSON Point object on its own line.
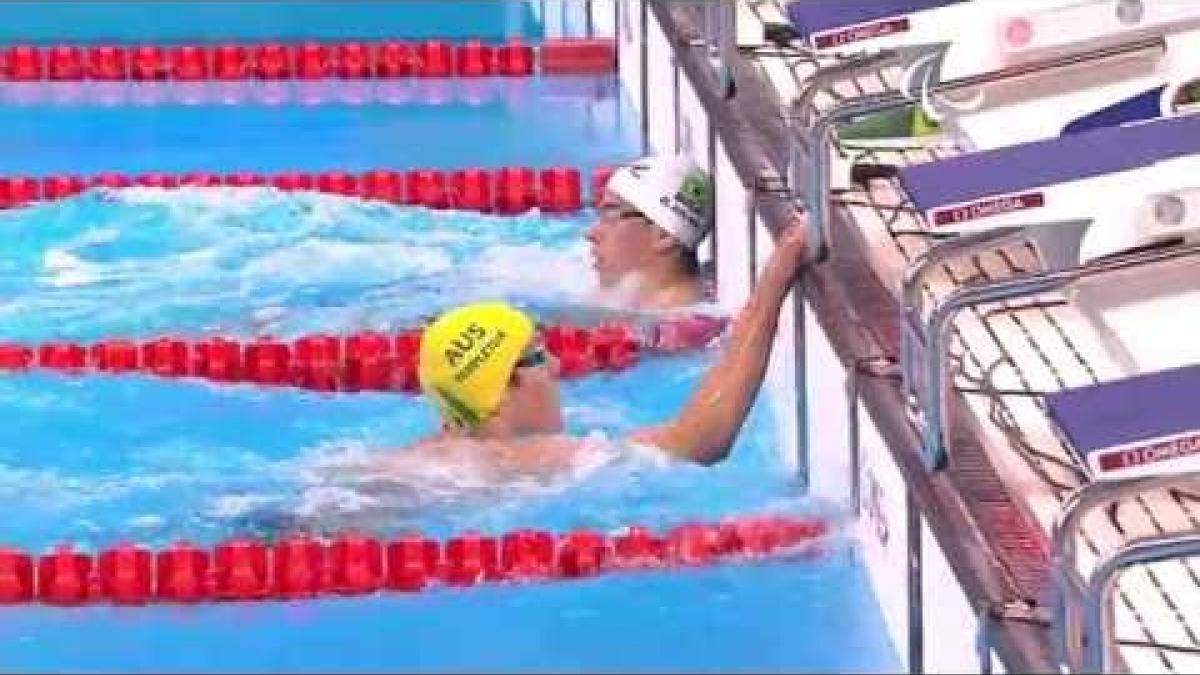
{"type": "Point", "coordinates": [467, 357]}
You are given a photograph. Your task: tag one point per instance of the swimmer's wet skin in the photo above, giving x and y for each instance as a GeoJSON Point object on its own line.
{"type": "Point", "coordinates": [652, 216]}
{"type": "Point", "coordinates": [484, 371]}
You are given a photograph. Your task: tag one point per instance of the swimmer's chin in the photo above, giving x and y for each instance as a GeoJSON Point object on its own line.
{"type": "Point", "coordinates": [630, 294]}
{"type": "Point", "coordinates": [613, 296]}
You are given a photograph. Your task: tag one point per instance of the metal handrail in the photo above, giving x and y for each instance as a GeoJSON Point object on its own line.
{"type": "Point", "coordinates": [817, 137]}
{"type": "Point", "coordinates": [912, 284]}
{"type": "Point", "coordinates": [718, 39]}
{"type": "Point", "coordinates": [1098, 611]}
{"type": "Point", "coordinates": [1067, 582]}
{"type": "Point", "coordinates": [804, 106]}
{"type": "Point", "coordinates": [931, 392]}
{"type": "Point", "coordinates": [726, 45]}
{"type": "Point", "coordinates": [808, 145]}
{"type": "Point", "coordinates": [1058, 242]}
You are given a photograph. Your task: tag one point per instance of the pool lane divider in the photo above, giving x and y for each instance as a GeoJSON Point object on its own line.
{"type": "Point", "coordinates": [509, 190]}
{"type": "Point", "coordinates": [305, 60]}
{"type": "Point", "coordinates": [302, 566]}
{"type": "Point", "coordinates": [365, 361]}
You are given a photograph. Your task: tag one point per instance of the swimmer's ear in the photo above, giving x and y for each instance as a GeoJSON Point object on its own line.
{"type": "Point", "coordinates": [664, 242]}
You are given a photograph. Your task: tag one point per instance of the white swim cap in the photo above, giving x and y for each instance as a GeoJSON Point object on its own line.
{"type": "Point", "coordinates": [673, 192]}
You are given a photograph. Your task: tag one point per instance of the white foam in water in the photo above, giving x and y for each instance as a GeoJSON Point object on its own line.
{"type": "Point", "coordinates": [65, 270]}
{"type": "Point", "coordinates": [147, 521]}
{"type": "Point", "coordinates": [97, 235]}
{"type": "Point", "coordinates": [265, 317]}
{"type": "Point", "coordinates": [245, 261]}
{"type": "Point", "coordinates": [315, 261]}
{"type": "Point", "coordinates": [52, 490]}
{"type": "Point", "coordinates": [527, 268]}
{"type": "Point", "coordinates": [185, 200]}
{"type": "Point", "coordinates": [229, 506]}
{"type": "Point", "coordinates": [322, 499]}
{"type": "Point", "coordinates": [213, 258]}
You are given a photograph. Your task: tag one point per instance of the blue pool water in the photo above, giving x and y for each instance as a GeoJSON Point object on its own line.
{"type": "Point", "coordinates": [202, 262]}
{"type": "Point", "coordinates": [772, 618]}
{"type": "Point", "coordinates": [99, 459]}
{"type": "Point", "coordinates": [166, 21]}
{"type": "Point", "coordinates": [577, 121]}
{"type": "Point", "coordinates": [205, 460]}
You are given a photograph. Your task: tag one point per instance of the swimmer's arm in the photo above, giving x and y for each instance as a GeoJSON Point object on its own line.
{"type": "Point", "coordinates": [705, 429]}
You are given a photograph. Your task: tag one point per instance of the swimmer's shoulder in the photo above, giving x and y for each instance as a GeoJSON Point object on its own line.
{"type": "Point", "coordinates": [439, 446]}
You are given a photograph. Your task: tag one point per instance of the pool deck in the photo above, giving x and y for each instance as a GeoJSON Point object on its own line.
{"type": "Point", "coordinates": [993, 507]}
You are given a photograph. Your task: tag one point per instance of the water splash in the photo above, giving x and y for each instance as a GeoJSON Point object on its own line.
{"type": "Point", "coordinates": [146, 458]}
{"type": "Point", "coordinates": [211, 259]}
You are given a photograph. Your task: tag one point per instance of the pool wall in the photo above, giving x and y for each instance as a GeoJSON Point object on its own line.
{"type": "Point", "coordinates": [930, 606]}
{"type": "Point", "coordinates": [575, 18]}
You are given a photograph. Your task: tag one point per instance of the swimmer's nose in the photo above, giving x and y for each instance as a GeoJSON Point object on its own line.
{"type": "Point", "coordinates": [590, 235]}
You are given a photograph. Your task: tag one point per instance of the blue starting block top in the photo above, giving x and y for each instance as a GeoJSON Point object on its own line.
{"type": "Point", "coordinates": [1134, 423]}
{"type": "Point", "coordinates": [1016, 168]}
{"type": "Point", "coordinates": [810, 17]}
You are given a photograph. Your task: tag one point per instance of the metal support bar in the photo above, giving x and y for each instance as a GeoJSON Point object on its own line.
{"type": "Point", "coordinates": [710, 29]}
{"type": "Point", "coordinates": [644, 55]}
{"type": "Point", "coordinates": [1058, 242]}
{"type": "Point", "coordinates": [923, 65]}
{"type": "Point", "coordinates": [985, 620]}
{"type": "Point", "coordinates": [857, 370]}
{"type": "Point", "coordinates": [1098, 611]}
{"type": "Point", "coordinates": [916, 593]}
{"type": "Point", "coordinates": [800, 346]}
{"type": "Point", "coordinates": [992, 615]}
{"type": "Point", "coordinates": [752, 236]}
{"type": "Point", "coordinates": [932, 394]}
{"type": "Point", "coordinates": [912, 287]}
{"type": "Point", "coordinates": [1067, 583]}
{"type": "Point", "coordinates": [726, 45]}
{"type": "Point", "coordinates": [852, 440]}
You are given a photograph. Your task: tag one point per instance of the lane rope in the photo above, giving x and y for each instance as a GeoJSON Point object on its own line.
{"type": "Point", "coordinates": [509, 190]}
{"type": "Point", "coordinates": [353, 60]}
{"type": "Point", "coordinates": [365, 361]}
{"type": "Point", "coordinates": [302, 566]}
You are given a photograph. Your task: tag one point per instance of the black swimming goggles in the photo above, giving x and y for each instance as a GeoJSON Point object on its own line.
{"type": "Point", "coordinates": [532, 358]}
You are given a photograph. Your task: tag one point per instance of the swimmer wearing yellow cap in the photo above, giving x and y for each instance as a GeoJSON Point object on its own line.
{"type": "Point", "coordinates": [480, 358]}
{"type": "Point", "coordinates": [496, 388]}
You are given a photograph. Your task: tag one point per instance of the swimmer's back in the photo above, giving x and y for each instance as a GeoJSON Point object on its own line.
{"type": "Point", "coordinates": [542, 456]}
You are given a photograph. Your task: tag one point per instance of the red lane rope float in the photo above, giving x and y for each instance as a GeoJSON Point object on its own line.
{"type": "Point", "coordinates": [578, 56]}
{"type": "Point", "coordinates": [366, 361]}
{"type": "Point", "coordinates": [304, 61]}
{"type": "Point", "coordinates": [504, 191]}
{"type": "Point", "coordinates": [302, 566]}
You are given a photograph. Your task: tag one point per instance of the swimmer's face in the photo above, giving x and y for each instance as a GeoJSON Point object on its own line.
{"type": "Point", "coordinates": [622, 240]}
{"type": "Point", "coordinates": [533, 401]}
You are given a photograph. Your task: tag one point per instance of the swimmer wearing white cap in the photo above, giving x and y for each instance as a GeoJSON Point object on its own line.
{"type": "Point", "coordinates": [653, 215]}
